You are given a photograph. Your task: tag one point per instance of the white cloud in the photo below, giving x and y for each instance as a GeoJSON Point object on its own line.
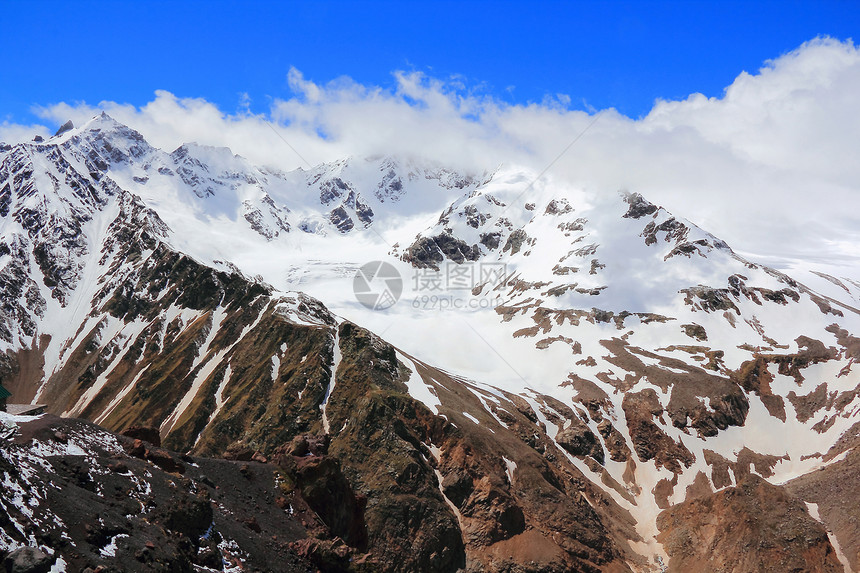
{"type": "Point", "coordinates": [12, 133]}
{"type": "Point", "coordinates": [770, 166]}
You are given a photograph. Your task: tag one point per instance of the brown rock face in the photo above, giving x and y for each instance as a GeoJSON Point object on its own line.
{"type": "Point", "coordinates": [162, 458]}
{"type": "Point", "coordinates": [649, 441]}
{"type": "Point", "coordinates": [834, 490]}
{"type": "Point", "coordinates": [479, 512]}
{"type": "Point", "coordinates": [327, 491]}
{"type": "Point", "coordinates": [688, 385]}
{"type": "Point", "coordinates": [378, 433]}
{"type": "Point", "coordinates": [753, 375]}
{"type": "Point", "coordinates": [615, 443]}
{"type": "Point", "coordinates": [751, 528]}
{"type": "Point", "coordinates": [580, 441]}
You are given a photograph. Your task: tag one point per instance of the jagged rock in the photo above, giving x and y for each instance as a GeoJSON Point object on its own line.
{"type": "Point", "coordinates": [753, 376]}
{"type": "Point", "coordinates": [496, 516]}
{"type": "Point", "coordinates": [68, 126]}
{"type": "Point", "coordinates": [165, 461]}
{"type": "Point", "coordinates": [558, 207]}
{"type": "Point", "coordinates": [457, 486]}
{"type": "Point", "coordinates": [674, 231]}
{"type": "Point", "coordinates": [325, 488]}
{"type": "Point", "coordinates": [474, 218]}
{"type": "Point", "coordinates": [332, 555]}
{"type": "Point", "coordinates": [515, 241]}
{"type": "Point", "coordinates": [430, 251]}
{"type": "Point", "coordinates": [362, 209]}
{"type": "Point", "coordinates": [332, 189]}
{"type": "Point", "coordinates": [239, 452]}
{"type": "Point", "coordinates": [639, 206]}
{"type": "Point", "coordinates": [315, 445]}
{"type": "Point", "coordinates": [208, 555]}
{"type": "Point", "coordinates": [491, 240]}
{"type": "Point", "coordinates": [695, 331]}
{"type": "Point", "coordinates": [341, 219]}
{"type": "Point", "coordinates": [391, 186]}
{"type": "Point", "coordinates": [299, 446]}
{"type": "Point", "coordinates": [158, 456]}
{"type": "Point", "coordinates": [136, 449]}
{"type": "Point", "coordinates": [709, 299]}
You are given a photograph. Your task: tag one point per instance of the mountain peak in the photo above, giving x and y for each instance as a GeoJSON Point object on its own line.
{"type": "Point", "coordinates": [105, 124]}
{"type": "Point", "coordinates": [101, 121]}
{"type": "Point", "coordinates": [110, 139]}
{"type": "Point", "coordinates": [68, 126]}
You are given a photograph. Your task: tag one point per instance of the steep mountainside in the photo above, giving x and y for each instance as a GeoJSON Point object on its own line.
{"type": "Point", "coordinates": [606, 374]}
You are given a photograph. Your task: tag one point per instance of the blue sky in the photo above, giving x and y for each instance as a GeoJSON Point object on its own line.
{"type": "Point", "coordinates": [450, 82]}
{"type": "Point", "coordinates": [608, 54]}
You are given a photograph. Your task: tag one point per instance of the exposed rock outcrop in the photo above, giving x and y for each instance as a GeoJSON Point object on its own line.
{"type": "Point", "coordinates": [753, 527]}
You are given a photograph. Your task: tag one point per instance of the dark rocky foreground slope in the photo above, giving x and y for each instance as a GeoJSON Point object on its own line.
{"type": "Point", "coordinates": [76, 496]}
{"type": "Point", "coordinates": [89, 498]}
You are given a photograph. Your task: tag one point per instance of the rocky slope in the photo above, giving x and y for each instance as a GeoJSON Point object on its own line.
{"type": "Point", "coordinates": [86, 498]}
{"type": "Point", "coordinates": [664, 388]}
{"type": "Point", "coordinates": [754, 526]}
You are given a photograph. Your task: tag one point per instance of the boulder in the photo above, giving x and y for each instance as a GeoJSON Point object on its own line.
{"type": "Point", "coordinates": [145, 433]}
{"type": "Point", "coordinates": [28, 560]}
{"type": "Point", "coordinates": [238, 452]}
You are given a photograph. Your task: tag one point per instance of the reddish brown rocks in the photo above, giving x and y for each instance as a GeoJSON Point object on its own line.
{"type": "Point", "coordinates": [649, 441]}
{"type": "Point", "coordinates": [145, 433]}
{"type": "Point", "coordinates": [751, 528]}
{"type": "Point", "coordinates": [158, 456]}
{"type": "Point", "coordinates": [579, 440]}
{"type": "Point", "coordinates": [619, 451]}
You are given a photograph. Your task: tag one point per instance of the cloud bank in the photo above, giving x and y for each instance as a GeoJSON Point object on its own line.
{"type": "Point", "coordinates": [770, 166]}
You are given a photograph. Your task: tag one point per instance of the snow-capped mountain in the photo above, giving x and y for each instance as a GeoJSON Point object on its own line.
{"type": "Point", "coordinates": [566, 377]}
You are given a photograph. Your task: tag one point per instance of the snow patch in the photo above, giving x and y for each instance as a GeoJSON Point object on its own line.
{"type": "Point", "coordinates": [418, 388]}
{"type": "Point", "coordinates": [510, 467]}
{"type": "Point", "coordinates": [332, 381]}
{"type": "Point", "coordinates": [109, 550]}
